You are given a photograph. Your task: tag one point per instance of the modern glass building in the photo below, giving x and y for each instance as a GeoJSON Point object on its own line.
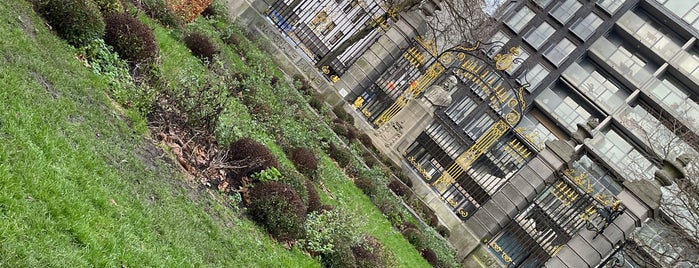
{"type": "Point", "coordinates": [621, 78]}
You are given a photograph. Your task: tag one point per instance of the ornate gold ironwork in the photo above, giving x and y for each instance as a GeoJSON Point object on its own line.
{"type": "Point", "coordinates": [580, 179]}
{"type": "Point", "coordinates": [334, 78]}
{"type": "Point", "coordinates": [463, 213]}
{"type": "Point", "coordinates": [504, 61]}
{"type": "Point", "coordinates": [452, 202]}
{"type": "Point", "coordinates": [414, 90]}
{"type": "Point", "coordinates": [428, 44]}
{"type": "Point", "coordinates": [358, 102]}
{"type": "Point", "coordinates": [325, 69]}
{"type": "Point", "coordinates": [419, 168]}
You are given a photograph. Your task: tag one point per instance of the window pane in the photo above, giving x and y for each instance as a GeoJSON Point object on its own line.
{"type": "Point", "coordinates": [537, 37]}
{"type": "Point", "coordinates": [611, 6]}
{"type": "Point", "coordinates": [565, 10]}
{"type": "Point", "coordinates": [584, 28]}
{"type": "Point", "coordinates": [558, 53]}
{"type": "Point", "coordinates": [520, 19]}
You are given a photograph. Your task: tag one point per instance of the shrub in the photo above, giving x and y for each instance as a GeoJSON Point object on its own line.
{"type": "Point", "coordinates": [110, 6]}
{"type": "Point", "coordinates": [398, 188]}
{"type": "Point", "coordinates": [209, 11]}
{"type": "Point", "coordinates": [130, 38]}
{"type": "Point", "coordinates": [302, 84]}
{"type": "Point", "coordinates": [341, 256]}
{"type": "Point", "coordinates": [391, 209]}
{"type": "Point", "coordinates": [430, 256]}
{"type": "Point", "coordinates": [77, 21]}
{"type": "Point", "coordinates": [339, 129]}
{"type": "Point", "coordinates": [340, 112]}
{"type": "Point", "coordinates": [404, 178]}
{"type": "Point", "coordinates": [278, 208]}
{"type": "Point", "coordinates": [340, 154]}
{"type": "Point", "coordinates": [366, 185]}
{"type": "Point", "coordinates": [316, 102]}
{"type": "Point", "coordinates": [305, 160]}
{"type": "Point", "coordinates": [351, 133]}
{"type": "Point", "coordinates": [313, 203]}
{"type": "Point", "coordinates": [370, 253]}
{"type": "Point", "coordinates": [189, 10]}
{"type": "Point", "coordinates": [366, 140]}
{"type": "Point", "coordinates": [161, 11]}
{"type": "Point", "coordinates": [201, 46]}
{"type": "Point", "coordinates": [252, 155]}
{"type": "Point", "coordinates": [200, 98]}
{"type": "Point", "coordinates": [415, 237]}
{"type": "Point", "coordinates": [443, 231]}
{"type": "Point", "coordinates": [370, 160]}
{"type": "Point", "coordinates": [327, 229]}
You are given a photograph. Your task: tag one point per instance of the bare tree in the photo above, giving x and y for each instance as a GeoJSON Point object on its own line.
{"type": "Point", "coordinates": [673, 238]}
{"type": "Point", "coordinates": [453, 22]}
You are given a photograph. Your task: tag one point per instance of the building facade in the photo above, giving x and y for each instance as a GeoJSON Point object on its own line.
{"type": "Point", "coordinates": [618, 80]}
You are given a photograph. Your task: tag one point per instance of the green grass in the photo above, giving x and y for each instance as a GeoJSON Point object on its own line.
{"type": "Point", "coordinates": [79, 187]}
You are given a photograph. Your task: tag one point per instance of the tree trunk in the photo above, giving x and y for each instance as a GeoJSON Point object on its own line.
{"type": "Point", "coordinates": [349, 42]}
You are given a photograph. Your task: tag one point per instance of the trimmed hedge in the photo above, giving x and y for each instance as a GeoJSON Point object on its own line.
{"type": "Point", "coordinates": [201, 46]}
{"type": "Point", "coordinates": [253, 156]}
{"type": "Point", "coordinates": [77, 21]}
{"type": "Point", "coordinates": [130, 38]}
{"type": "Point", "coordinates": [277, 207]}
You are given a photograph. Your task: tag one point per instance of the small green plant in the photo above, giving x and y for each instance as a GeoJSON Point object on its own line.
{"type": "Point", "coordinates": [122, 86]}
{"type": "Point", "coordinates": [77, 21]}
{"type": "Point", "coordinates": [415, 237]}
{"type": "Point", "coordinates": [326, 229]}
{"type": "Point", "coordinates": [269, 174]}
{"type": "Point", "coordinates": [110, 6]}
{"type": "Point", "coordinates": [370, 253]}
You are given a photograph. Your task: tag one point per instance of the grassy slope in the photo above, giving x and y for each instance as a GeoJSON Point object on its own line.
{"type": "Point", "coordinates": [79, 188]}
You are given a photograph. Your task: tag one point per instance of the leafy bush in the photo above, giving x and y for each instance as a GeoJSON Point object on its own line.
{"type": "Point", "coordinates": [189, 10]}
{"type": "Point", "coordinates": [366, 185]}
{"type": "Point", "coordinates": [130, 38]}
{"type": "Point", "coordinates": [313, 203]}
{"type": "Point", "coordinates": [77, 21]}
{"type": "Point", "coordinates": [121, 85]}
{"type": "Point", "coordinates": [341, 155]}
{"type": "Point", "coordinates": [341, 256]}
{"type": "Point", "coordinates": [404, 178]}
{"type": "Point", "coordinates": [340, 112]}
{"type": "Point", "coordinates": [430, 256]}
{"type": "Point", "coordinates": [110, 6]}
{"type": "Point", "coordinates": [305, 160]}
{"type": "Point", "coordinates": [398, 188]}
{"type": "Point", "coordinates": [201, 46]}
{"type": "Point", "coordinates": [415, 237]}
{"type": "Point", "coordinates": [340, 129]}
{"type": "Point", "coordinates": [370, 253]}
{"type": "Point", "coordinates": [278, 208]}
{"type": "Point", "coordinates": [253, 156]}
{"type": "Point", "coordinates": [391, 209]}
{"type": "Point", "coordinates": [351, 133]}
{"type": "Point", "coordinates": [316, 102]}
{"type": "Point", "coordinates": [302, 84]}
{"type": "Point", "coordinates": [326, 230]}
{"type": "Point", "coordinates": [269, 174]}
{"type": "Point", "coordinates": [161, 11]}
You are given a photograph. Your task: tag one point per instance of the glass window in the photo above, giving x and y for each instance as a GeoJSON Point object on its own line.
{"type": "Point", "coordinates": [523, 54]}
{"type": "Point", "coordinates": [564, 109]}
{"type": "Point", "coordinates": [542, 3]}
{"type": "Point", "coordinates": [599, 178]}
{"type": "Point", "coordinates": [534, 130]}
{"type": "Point", "coordinates": [611, 6]}
{"type": "Point", "coordinates": [674, 95]}
{"type": "Point", "coordinates": [445, 140]}
{"type": "Point", "coordinates": [689, 63]}
{"type": "Point", "coordinates": [520, 19]}
{"type": "Point", "coordinates": [586, 78]}
{"type": "Point", "coordinates": [563, 11]}
{"type": "Point", "coordinates": [476, 128]}
{"type": "Point", "coordinates": [458, 111]}
{"type": "Point", "coordinates": [498, 37]}
{"type": "Point", "coordinates": [584, 28]}
{"type": "Point", "coordinates": [688, 10]}
{"type": "Point", "coordinates": [652, 35]}
{"type": "Point", "coordinates": [536, 37]}
{"type": "Point", "coordinates": [558, 53]}
{"type": "Point", "coordinates": [534, 76]}
{"type": "Point", "coordinates": [622, 155]}
{"type": "Point", "coordinates": [626, 62]}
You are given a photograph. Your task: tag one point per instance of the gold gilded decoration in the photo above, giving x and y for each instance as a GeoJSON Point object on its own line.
{"type": "Point", "coordinates": [564, 193]}
{"type": "Point", "coordinates": [580, 179]}
{"type": "Point", "coordinates": [366, 112]}
{"type": "Point", "coordinates": [446, 58]}
{"type": "Point", "coordinates": [419, 168]}
{"type": "Point", "coordinates": [358, 102]}
{"type": "Point", "coordinates": [428, 44]}
{"type": "Point", "coordinates": [517, 150]}
{"type": "Point", "coordinates": [531, 136]}
{"type": "Point", "coordinates": [452, 202]}
{"type": "Point", "coordinates": [443, 182]}
{"type": "Point", "coordinates": [464, 214]}
{"type": "Point", "coordinates": [506, 258]}
{"type": "Point", "coordinates": [504, 61]}
{"type": "Point", "coordinates": [414, 90]}
{"type": "Point", "coordinates": [325, 69]}
{"type": "Point", "coordinates": [414, 56]}
{"type": "Point", "coordinates": [334, 78]}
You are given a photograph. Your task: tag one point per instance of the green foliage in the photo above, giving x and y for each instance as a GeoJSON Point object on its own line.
{"type": "Point", "coordinates": [341, 155]}
{"type": "Point", "coordinates": [341, 256]}
{"type": "Point", "coordinates": [77, 21]}
{"type": "Point", "coordinates": [277, 207]}
{"type": "Point", "coordinates": [325, 230]}
{"type": "Point", "coordinates": [313, 203]}
{"type": "Point", "coordinates": [130, 38]}
{"type": "Point", "coordinates": [443, 231]}
{"type": "Point", "coordinates": [365, 140]}
{"type": "Point", "coordinates": [201, 98]}
{"type": "Point", "coordinates": [110, 6]}
{"type": "Point", "coordinates": [430, 256]}
{"type": "Point", "coordinates": [398, 188]}
{"type": "Point", "coordinates": [269, 174]}
{"type": "Point", "coordinates": [121, 85]}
